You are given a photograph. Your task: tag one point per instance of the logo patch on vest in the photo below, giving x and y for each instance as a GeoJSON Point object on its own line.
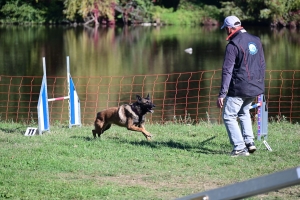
{"type": "Point", "coordinates": [252, 48]}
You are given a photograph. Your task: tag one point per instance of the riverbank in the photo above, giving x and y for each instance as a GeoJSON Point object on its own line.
{"type": "Point", "coordinates": [183, 12]}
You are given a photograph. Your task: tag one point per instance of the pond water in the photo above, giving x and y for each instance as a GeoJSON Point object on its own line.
{"type": "Point", "coordinates": [106, 51]}
{"type": "Point", "coordinates": [135, 50]}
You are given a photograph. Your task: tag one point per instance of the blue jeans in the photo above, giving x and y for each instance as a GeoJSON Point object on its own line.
{"type": "Point", "coordinates": [236, 107]}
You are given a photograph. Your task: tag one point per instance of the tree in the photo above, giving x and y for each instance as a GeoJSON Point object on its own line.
{"type": "Point", "coordinates": [90, 10]}
{"type": "Point", "coordinates": [278, 12]}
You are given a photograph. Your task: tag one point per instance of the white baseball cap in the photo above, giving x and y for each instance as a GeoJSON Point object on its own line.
{"type": "Point", "coordinates": [231, 21]}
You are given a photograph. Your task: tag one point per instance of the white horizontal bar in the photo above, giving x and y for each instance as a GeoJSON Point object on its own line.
{"type": "Point", "coordinates": [59, 98]}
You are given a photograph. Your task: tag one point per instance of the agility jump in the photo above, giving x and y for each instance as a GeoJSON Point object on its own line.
{"type": "Point", "coordinates": [42, 107]}
{"type": "Point", "coordinates": [262, 119]}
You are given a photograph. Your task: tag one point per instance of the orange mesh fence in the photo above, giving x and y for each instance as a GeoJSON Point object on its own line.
{"type": "Point", "coordinates": [189, 96]}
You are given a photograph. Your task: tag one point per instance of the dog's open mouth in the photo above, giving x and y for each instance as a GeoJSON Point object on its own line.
{"type": "Point", "coordinates": [150, 110]}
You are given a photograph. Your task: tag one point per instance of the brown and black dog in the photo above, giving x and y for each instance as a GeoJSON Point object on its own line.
{"type": "Point", "coordinates": [131, 116]}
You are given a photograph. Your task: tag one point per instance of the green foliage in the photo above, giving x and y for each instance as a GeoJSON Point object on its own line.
{"type": "Point", "coordinates": [20, 12]}
{"type": "Point", "coordinates": [250, 8]}
{"type": "Point", "coordinates": [265, 13]}
{"type": "Point", "coordinates": [295, 4]}
{"type": "Point", "coordinates": [146, 5]}
{"type": "Point", "coordinates": [281, 10]}
{"type": "Point", "coordinates": [106, 9]}
{"type": "Point", "coordinates": [167, 16]}
{"type": "Point", "coordinates": [71, 8]}
{"type": "Point", "coordinates": [200, 13]}
{"type": "Point", "coordinates": [140, 10]}
{"type": "Point", "coordinates": [84, 8]}
{"type": "Point", "coordinates": [187, 13]}
{"type": "Point", "coordinates": [212, 14]}
{"type": "Point", "coordinates": [230, 8]}
{"type": "Point", "coordinates": [54, 11]}
{"type": "Point", "coordinates": [211, 11]}
{"type": "Point", "coordinates": [262, 10]}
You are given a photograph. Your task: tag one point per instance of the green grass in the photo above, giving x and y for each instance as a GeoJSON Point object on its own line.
{"type": "Point", "coordinates": [180, 160]}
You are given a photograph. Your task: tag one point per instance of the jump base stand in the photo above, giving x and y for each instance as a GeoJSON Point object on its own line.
{"type": "Point", "coordinates": [262, 120]}
{"type": "Point", "coordinates": [30, 131]}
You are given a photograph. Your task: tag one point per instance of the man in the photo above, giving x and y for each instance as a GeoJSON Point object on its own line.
{"type": "Point", "coordinates": [243, 75]}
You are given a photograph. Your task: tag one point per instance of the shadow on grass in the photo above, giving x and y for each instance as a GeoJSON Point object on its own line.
{"type": "Point", "coordinates": [199, 148]}
{"type": "Point", "coordinates": [86, 138]}
{"type": "Point", "coordinates": [12, 130]}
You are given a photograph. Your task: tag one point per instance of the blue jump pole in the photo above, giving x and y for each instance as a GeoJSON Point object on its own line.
{"type": "Point", "coordinates": [42, 107]}
{"type": "Point", "coordinates": [74, 102]}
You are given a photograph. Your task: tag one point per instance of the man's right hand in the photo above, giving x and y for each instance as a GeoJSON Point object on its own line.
{"type": "Point", "coordinates": [220, 102]}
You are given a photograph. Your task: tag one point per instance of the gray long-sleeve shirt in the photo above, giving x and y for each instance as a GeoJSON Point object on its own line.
{"type": "Point", "coordinates": [231, 54]}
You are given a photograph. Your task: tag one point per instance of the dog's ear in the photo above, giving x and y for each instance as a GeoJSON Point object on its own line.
{"type": "Point", "coordinates": [138, 97]}
{"type": "Point", "coordinates": [147, 97]}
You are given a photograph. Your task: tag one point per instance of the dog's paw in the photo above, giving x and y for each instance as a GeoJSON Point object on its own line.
{"type": "Point", "coordinates": [94, 134]}
{"type": "Point", "coordinates": [149, 137]}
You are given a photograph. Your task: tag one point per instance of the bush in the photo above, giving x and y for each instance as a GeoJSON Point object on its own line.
{"type": "Point", "coordinates": [279, 12]}
{"type": "Point", "coordinates": [16, 12]}
{"type": "Point", "coordinates": [187, 13]}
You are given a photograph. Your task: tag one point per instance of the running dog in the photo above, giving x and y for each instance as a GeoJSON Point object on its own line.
{"type": "Point", "coordinates": [131, 116]}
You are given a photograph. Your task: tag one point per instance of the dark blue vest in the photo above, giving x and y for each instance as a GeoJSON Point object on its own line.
{"type": "Point", "coordinates": [248, 74]}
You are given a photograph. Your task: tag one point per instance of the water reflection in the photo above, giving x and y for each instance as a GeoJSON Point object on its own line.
{"type": "Point", "coordinates": [128, 50]}
{"type": "Point", "coordinates": [102, 52]}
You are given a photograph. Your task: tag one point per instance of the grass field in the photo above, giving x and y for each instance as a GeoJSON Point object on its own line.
{"type": "Point", "coordinates": [180, 160]}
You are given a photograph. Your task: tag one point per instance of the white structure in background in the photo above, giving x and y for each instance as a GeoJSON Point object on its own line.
{"type": "Point", "coordinates": [189, 50]}
{"type": "Point", "coordinates": [42, 107]}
